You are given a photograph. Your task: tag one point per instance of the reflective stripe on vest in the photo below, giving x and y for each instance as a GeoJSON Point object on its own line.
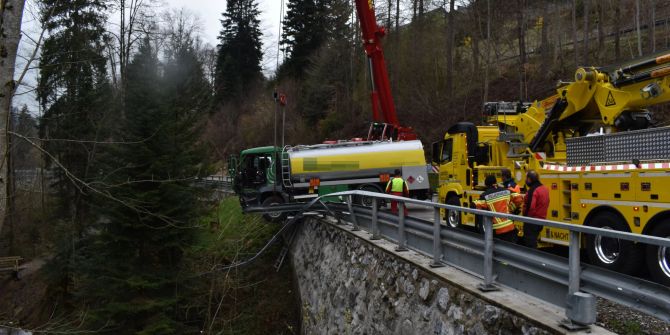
{"type": "Point", "coordinates": [498, 202]}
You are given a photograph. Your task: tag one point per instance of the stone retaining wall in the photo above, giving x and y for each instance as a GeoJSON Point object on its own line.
{"type": "Point", "coordinates": [349, 286]}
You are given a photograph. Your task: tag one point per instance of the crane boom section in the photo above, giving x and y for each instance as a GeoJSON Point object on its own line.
{"type": "Point", "coordinates": [383, 108]}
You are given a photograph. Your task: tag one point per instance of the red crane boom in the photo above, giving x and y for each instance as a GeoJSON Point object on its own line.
{"type": "Point", "coordinates": [383, 108]}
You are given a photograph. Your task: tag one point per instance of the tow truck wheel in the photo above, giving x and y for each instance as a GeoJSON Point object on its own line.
{"type": "Point", "coordinates": [273, 216]}
{"type": "Point", "coordinates": [658, 258]}
{"type": "Point", "coordinates": [612, 253]}
{"type": "Point", "coordinates": [453, 218]}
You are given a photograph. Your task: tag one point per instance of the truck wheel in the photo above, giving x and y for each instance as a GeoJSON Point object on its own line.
{"type": "Point", "coordinates": [453, 218]}
{"type": "Point", "coordinates": [367, 201]}
{"type": "Point", "coordinates": [611, 253]}
{"type": "Point", "coordinates": [658, 258]}
{"type": "Point", "coordinates": [273, 216]}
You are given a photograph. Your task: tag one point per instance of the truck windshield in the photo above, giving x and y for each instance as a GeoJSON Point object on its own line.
{"type": "Point", "coordinates": [256, 168]}
{"type": "Point", "coordinates": [447, 147]}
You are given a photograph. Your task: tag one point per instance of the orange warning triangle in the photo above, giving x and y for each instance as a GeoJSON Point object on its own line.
{"type": "Point", "coordinates": [610, 100]}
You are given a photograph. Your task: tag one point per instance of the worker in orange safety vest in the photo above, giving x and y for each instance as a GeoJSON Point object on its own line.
{"type": "Point", "coordinates": [508, 182]}
{"type": "Point", "coordinates": [397, 186]}
{"type": "Point", "coordinates": [500, 200]}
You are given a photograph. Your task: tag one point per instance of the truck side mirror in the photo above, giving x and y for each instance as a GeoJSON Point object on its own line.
{"type": "Point", "coordinates": [436, 153]}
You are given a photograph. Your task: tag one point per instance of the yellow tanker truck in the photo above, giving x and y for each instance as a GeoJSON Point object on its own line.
{"type": "Point", "coordinates": [271, 175]}
{"type": "Point", "coordinates": [595, 149]}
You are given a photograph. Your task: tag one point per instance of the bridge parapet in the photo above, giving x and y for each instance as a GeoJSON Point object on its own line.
{"type": "Point", "coordinates": [350, 284]}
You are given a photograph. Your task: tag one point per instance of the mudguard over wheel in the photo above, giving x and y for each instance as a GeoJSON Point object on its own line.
{"type": "Point", "coordinates": [610, 253]}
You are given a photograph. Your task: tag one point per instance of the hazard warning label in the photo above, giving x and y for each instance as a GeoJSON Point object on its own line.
{"type": "Point", "coordinates": [610, 100]}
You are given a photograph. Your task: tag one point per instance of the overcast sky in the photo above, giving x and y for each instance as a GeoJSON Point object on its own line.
{"type": "Point", "coordinates": [210, 11]}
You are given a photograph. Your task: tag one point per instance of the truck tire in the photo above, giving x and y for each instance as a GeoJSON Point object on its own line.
{"type": "Point", "coordinates": [610, 253]}
{"type": "Point", "coordinates": [453, 218]}
{"type": "Point", "coordinates": [273, 216]}
{"type": "Point", "coordinates": [367, 201]}
{"type": "Point", "coordinates": [658, 258]}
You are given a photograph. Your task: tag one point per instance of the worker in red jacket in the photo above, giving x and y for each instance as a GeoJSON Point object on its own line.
{"type": "Point", "coordinates": [535, 206]}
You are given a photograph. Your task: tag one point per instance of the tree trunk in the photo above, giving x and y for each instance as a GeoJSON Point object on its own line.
{"type": "Point", "coordinates": [601, 31]}
{"type": "Point", "coordinates": [11, 12]}
{"type": "Point", "coordinates": [585, 58]}
{"type": "Point", "coordinates": [545, 48]}
{"type": "Point", "coordinates": [397, 15]}
{"type": "Point", "coordinates": [450, 47]}
{"type": "Point", "coordinates": [521, 34]}
{"type": "Point", "coordinates": [415, 4]}
{"type": "Point", "coordinates": [559, 28]}
{"type": "Point", "coordinates": [652, 26]}
{"type": "Point", "coordinates": [617, 30]}
{"type": "Point", "coordinates": [488, 50]}
{"type": "Point", "coordinates": [389, 6]}
{"type": "Point", "coordinates": [574, 31]}
{"type": "Point", "coordinates": [637, 27]}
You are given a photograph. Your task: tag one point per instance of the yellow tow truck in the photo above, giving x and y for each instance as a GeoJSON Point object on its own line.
{"type": "Point", "coordinates": [595, 147]}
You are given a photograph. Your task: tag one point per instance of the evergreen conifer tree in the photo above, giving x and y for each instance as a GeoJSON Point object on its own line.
{"type": "Point", "coordinates": [238, 65]}
{"type": "Point", "coordinates": [74, 93]}
{"type": "Point", "coordinates": [132, 274]}
{"type": "Point", "coordinates": [308, 25]}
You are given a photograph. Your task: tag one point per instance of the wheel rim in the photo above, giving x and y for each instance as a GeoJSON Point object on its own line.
{"type": "Point", "coordinates": [274, 215]}
{"type": "Point", "coordinates": [607, 249]}
{"type": "Point", "coordinates": [366, 201]}
{"type": "Point", "coordinates": [453, 218]}
{"type": "Point", "coordinates": [664, 259]}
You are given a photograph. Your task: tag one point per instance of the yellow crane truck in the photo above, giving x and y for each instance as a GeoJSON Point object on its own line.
{"type": "Point", "coordinates": [595, 147]}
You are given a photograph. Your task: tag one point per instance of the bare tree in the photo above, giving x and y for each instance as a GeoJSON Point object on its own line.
{"type": "Point", "coordinates": [521, 35]}
{"type": "Point", "coordinates": [586, 33]}
{"type": "Point", "coordinates": [450, 48]}
{"type": "Point", "coordinates": [488, 50]}
{"type": "Point", "coordinates": [651, 29]}
{"type": "Point", "coordinates": [11, 13]}
{"type": "Point", "coordinates": [617, 29]}
{"type": "Point", "coordinates": [574, 31]}
{"type": "Point", "coordinates": [601, 30]}
{"type": "Point", "coordinates": [544, 46]}
{"type": "Point", "coordinates": [637, 27]}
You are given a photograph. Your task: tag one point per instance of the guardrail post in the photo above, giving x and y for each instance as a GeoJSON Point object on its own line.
{"type": "Point", "coordinates": [437, 239]}
{"type": "Point", "coordinates": [574, 266]}
{"type": "Point", "coordinates": [401, 227]}
{"type": "Point", "coordinates": [487, 285]}
{"type": "Point", "coordinates": [375, 220]}
{"type": "Point", "coordinates": [580, 307]}
{"type": "Point", "coordinates": [350, 206]}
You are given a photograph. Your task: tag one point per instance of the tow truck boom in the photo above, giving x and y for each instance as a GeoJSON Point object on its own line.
{"type": "Point", "coordinates": [615, 98]}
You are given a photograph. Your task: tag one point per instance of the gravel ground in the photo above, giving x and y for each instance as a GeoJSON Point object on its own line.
{"type": "Point", "coordinates": [626, 321]}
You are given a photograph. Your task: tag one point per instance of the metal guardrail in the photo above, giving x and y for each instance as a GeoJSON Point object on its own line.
{"type": "Point", "coordinates": [224, 183]}
{"type": "Point", "coordinates": [567, 283]}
